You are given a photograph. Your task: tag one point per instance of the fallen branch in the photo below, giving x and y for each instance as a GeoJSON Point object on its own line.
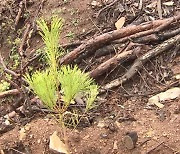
{"type": "Point", "coordinates": [115, 60]}
{"type": "Point", "coordinates": [157, 37]}
{"type": "Point", "coordinates": [6, 69]}
{"type": "Point", "coordinates": [72, 45]}
{"type": "Point", "coordinates": [148, 32]}
{"type": "Point", "coordinates": [99, 41]}
{"type": "Point", "coordinates": [112, 62]}
{"type": "Point", "coordinates": [19, 13]}
{"type": "Point", "coordinates": [142, 60]}
{"type": "Point", "coordinates": [9, 93]}
{"type": "Point", "coordinates": [21, 52]}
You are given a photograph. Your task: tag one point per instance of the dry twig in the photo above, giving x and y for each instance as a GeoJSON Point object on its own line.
{"type": "Point", "coordinates": [106, 7]}
{"type": "Point", "coordinates": [119, 58]}
{"type": "Point", "coordinates": [159, 8]}
{"type": "Point", "coordinates": [19, 13]}
{"type": "Point", "coordinates": [6, 69]}
{"type": "Point", "coordinates": [9, 93]}
{"type": "Point", "coordinates": [142, 60]}
{"type": "Point", "coordinates": [99, 41]}
{"type": "Point", "coordinates": [21, 52]}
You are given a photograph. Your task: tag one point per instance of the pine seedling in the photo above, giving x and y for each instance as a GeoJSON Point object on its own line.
{"type": "Point", "coordinates": [44, 86]}
{"type": "Point", "coordinates": [74, 82]}
{"type": "Point", "coordinates": [91, 97]}
{"type": "Point", "coordinates": [51, 37]}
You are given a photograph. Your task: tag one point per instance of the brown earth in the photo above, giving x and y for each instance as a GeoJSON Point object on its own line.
{"type": "Point", "coordinates": [158, 129]}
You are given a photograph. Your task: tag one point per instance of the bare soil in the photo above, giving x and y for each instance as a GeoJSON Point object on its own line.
{"type": "Point", "coordinates": [125, 109]}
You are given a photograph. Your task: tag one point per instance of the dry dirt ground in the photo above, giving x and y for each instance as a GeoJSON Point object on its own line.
{"type": "Point", "coordinates": [158, 129]}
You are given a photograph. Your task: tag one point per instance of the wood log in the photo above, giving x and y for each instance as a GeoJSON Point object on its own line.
{"type": "Point", "coordinates": [165, 46]}
{"type": "Point", "coordinates": [9, 92]}
{"type": "Point", "coordinates": [113, 62]}
{"type": "Point", "coordinates": [99, 41]}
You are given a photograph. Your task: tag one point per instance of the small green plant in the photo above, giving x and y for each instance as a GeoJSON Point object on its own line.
{"type": "Point", "coordinates": [14, 57]}
{"type": "Point", "coordinates": [75, 22]}
{"type": "Point", "coordinates": [91, 96]}
{"type": "Point", "coordinates": [4, 85]}
{"type": "Point", "coordinates": [74, 82]}
{"type": "Point", "coordinates": [44, 86]}
{"type": "Point", "coordinates": [45, 83]}
{"type": "Point", "coordinates": [51, 39]}
{"type": "Point", "coordinates": [70, 35]}
{"type": "Point", "coordinates": [65, 82]}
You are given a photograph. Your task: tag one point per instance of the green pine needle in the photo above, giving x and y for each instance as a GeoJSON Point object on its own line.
{"type": "Point", "coordinates": [74, 82]}
{"type": "Point", "coordinates": [44, 86]}
{"type": "Point", "coordinates": [91, 97]}
{"type": "Point", "coordinates": [51, 39]}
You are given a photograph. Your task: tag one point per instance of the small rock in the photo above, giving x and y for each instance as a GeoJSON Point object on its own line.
{"type": "Point", "coordinates": [39, 141]}
{"type": "Point", "coordinates": [22, 134]}
{"type": "Point", "coordinates": [95, 4]}
{"type": "Point", "coordinates": [7, 122]}
{"type": "Point", "coordinates": [79, 100]}
{"type": "Point", "coordinates": [161, 114]}
{"type": "Point", "coordinates": [104, 135]}
{"type": "Point", "coordinates": [164, 96]}
{"type": "Point", "coordinates": [177, 77]}
{"type": "Point", "coordinates": [130, 140]}
{"type": "Point", "coordinates": [115, 146]}
{"type": "Point", "coordinates": [112, 127]}
{"type": "Point", "coordinates": [56, 144]}
{"type": "Point", "coordinates": [165, 134]}
{"type": "Point", "coordinates": [101, 124]}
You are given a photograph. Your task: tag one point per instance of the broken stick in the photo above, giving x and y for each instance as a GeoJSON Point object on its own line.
{"type": "Point", "coordinates": [142, 60]}
{"type": "Point", "coordinates": [112, 62]}
{"type": "Point", "coordinates": [6, 69]}
{"type": "Point", "coordinates": [9, 93]}
{"type": "Point", "coordinates": [99, 41]}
